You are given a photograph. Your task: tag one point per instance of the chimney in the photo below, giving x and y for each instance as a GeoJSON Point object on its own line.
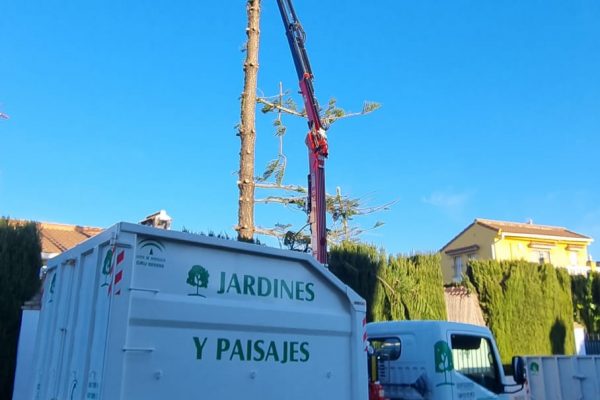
{"type": "Point", "coordinates": [158, 220]}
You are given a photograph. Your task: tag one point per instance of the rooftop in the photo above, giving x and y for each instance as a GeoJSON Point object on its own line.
{"type": "Point", "coordinates": [57, 238]}
{"type": "Point", "coordinates": [524, 228]}
{"type": "Point", "coordinates": [530, 228]}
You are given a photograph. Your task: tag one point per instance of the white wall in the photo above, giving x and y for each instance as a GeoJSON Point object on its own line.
{"type": "Point", "coordinates": [579, 340]}
{"type": "Point", "coordinates": [24, 373]}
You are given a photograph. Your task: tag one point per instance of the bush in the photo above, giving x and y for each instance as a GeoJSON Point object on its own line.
{"type": "Point", "coordinates": [20, 261]}
{"type": "Point", "coordinates": [527, 306]}
{"type": "Point", "coordinates": [358, 265]}
{"type": "Point", "coordinates": [395, 287]}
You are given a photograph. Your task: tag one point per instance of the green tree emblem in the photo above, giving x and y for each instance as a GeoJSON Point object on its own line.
{"type": "Point", "coordinates": [443, 360]}
{"type": "Point", "coordinates": [198, 277]}
{"type": "Point", "coordinates": [534, 368]}
{"type": "Point", "coordinates": [106, 268]}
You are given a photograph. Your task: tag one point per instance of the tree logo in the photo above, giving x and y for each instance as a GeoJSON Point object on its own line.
{"type": "Point", "coordinates": [443, 360]}
{"type": "Point", "coordinates": [107, 267]}
{"type": "Point", "coordinates": [534, 368]}
{"type": "Point", "coordinates": [197, 277]}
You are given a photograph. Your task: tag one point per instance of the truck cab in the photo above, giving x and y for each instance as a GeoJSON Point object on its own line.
{"type": "Point", "coordinates": [436, 360]}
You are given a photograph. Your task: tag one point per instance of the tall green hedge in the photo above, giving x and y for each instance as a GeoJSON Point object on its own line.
{"type": "Point", "coordinates": [357, 265]}
{"type": "Point", "coordinates": [412, 286]}
{"type": "Point", "coordinates": [395, 287]}
{"type": "Point", "coordinates": [20, 261]}
{"type": "Point", "coordinates": [527, 306]}
{"type": "Point", "coordinates": [586, 300]}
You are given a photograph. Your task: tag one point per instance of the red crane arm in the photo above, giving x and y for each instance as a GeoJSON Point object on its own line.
{"type": "Point", "coordinates": [316, 139]}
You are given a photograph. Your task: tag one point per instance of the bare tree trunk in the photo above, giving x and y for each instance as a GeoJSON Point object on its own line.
{"type": "Point", "coordinates": [247, 131]}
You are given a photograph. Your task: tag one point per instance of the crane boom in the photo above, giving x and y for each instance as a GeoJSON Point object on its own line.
{"type": "Point", "coordinates": [316, 140]}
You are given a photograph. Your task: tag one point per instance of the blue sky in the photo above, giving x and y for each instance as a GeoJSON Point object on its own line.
{"type": "Point", "coordinates": [489, 109]}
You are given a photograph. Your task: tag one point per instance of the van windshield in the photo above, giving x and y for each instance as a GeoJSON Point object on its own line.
{"type": "Point", "coordinates": [474, 357]}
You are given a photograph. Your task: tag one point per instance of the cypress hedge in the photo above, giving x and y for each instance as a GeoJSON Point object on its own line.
{"type": "Point", "coordinates": [395, 287]}
{"type": "Point", "coordinates": [357, 265]}
{"type": "Point", "coordinates": [527, 306]}
{"type": "Point", "coordinates": [412, 286]}
{"type": "Point", "coordinates": [20, 261]}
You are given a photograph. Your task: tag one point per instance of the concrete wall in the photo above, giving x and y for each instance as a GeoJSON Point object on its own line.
{"type": "Point", "coordinates": [23, 389]}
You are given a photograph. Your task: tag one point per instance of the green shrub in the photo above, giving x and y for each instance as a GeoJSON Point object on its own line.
{"type": "Point", "coordinates": [527, 306]}
{"type": "Point", "coordinates": [412, 286]}
{"type": "Point", "coordinates": [395, 287]}
{"type": "Point", "coordinates": [358, 265]}
{"type": "Point", "coordinates": [20, 261]}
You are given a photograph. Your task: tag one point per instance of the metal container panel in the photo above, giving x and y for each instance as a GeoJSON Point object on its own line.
{"type": "Point", "coordinates": [563, 377]}
{"type": "Point", "coordinates": [142, 313]}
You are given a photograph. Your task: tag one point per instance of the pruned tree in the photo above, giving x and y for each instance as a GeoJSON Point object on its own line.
{"type": "Point", "coordinates": [246, 128]}
{"type": "Point", "coordinates": [341, 209]}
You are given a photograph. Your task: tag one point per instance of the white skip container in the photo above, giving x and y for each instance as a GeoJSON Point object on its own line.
{"type": "Point", "coordinates": [143, 313]}
{"type": "Point", "coordinates": [562, 377]}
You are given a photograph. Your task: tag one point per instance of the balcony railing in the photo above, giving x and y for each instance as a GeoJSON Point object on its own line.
{"type": "Point", "coordinates": [592, 343]}
{"type": "Point", "coordinates": [578, 269]}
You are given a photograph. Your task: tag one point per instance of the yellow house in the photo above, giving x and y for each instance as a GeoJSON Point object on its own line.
{"type": "Point", "coordinates": [499, 240]}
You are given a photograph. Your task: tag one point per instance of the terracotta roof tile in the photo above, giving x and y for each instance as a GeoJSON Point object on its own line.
{"type": "Point", "coordinates": [530, 229]}
{"type": "Point", "coordinates": [57, 238]}
{"type": "Point", "coordinates": [517, 228]}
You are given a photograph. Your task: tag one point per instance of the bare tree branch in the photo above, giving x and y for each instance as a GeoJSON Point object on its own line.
{"type": "Point", "coordinates": [374, 209]}
{"type": "Point", "coordinates": [269, 232]}
{"type": "Point", "coordinates": [279, 107]}
{"type": "Point", "coordinates": [290, 188]}
{"type": "Point", "coordinates": [283, 200]}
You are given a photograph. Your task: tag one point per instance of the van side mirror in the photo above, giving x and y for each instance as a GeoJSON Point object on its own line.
{"type": "Point", "coordinates": [518, 366]}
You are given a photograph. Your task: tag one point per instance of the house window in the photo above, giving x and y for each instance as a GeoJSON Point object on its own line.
{"type": "Point", "coordinates": [573, 257]}
{"type": "Point", "coordinates": [471, 256]}
{"type": "Point", "coordinates": [540, 256]}
{"type": "Point", "coordinates": [457, 268]}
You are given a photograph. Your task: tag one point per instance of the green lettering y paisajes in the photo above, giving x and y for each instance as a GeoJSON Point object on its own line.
{"type": "Point", "coordinates": [255, 350]}
{"type": "Point", "coordinates": [261, 286]}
